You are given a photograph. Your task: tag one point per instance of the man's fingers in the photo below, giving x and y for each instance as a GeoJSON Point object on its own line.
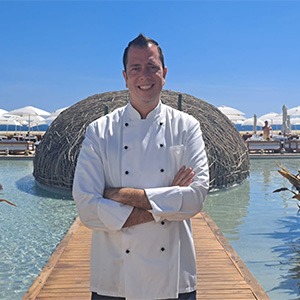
{"type": "Point", "coordinates": [188, 179]}
{"type": "Point", "coordinates": [184, 176]}
{"type": "Point", "coordinates": [178, 177]}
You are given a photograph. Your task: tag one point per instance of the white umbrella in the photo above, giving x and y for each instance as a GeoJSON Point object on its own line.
{"type": "Point", "coordinates": [289, 123]}
{"type": "Point", "coordinates": [29, 111]}
{"type": "Point", "coordinates": [251, 121]}
{"type": "Point", "coordinates": [295, 121]}
{"type": "Point", "coordinates": [50, 119]}
{"type": "Point", "coordinates": [58, 111]}
{"type": "Point", "coordinates": [285, 125]}
{"type": "Point", "coordinates": [269, 117]}
{"type": "Point", "coordinates": [2, 111]}
{"type": "Point", "coordinates": [233, 114]}
{"type": "Point", "coordinates": [226, 110]}
{"type": "Point", "coordinates": [254, 122]}
{"type": "Point", "coordinates": [9, 121]}
{"type": "Point", "coordinates": [54, 115]}
{"type": "Point", "coordinates": [236, 119]}
{"type": "Point", "coordinates": [295, 111]}
{"type": "Point", "coordinates": [33, 121]}
{"type": "Point", "coordinates": [277, 120]}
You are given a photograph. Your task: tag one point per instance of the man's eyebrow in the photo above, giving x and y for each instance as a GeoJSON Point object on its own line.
{"type": "Point", "coordinates": [134, 65]}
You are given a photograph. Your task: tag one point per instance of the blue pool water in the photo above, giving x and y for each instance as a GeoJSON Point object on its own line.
{"type": "Point", "coordinates": [29, 232]}
{"type": "Point", "coordinates": [263, 227]}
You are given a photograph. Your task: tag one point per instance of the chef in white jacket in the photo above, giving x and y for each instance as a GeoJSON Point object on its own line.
{"type": "Point", "coordinates": [141, 174]}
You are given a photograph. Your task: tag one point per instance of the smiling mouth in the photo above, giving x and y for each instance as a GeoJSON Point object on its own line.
{"type": "Point", "coordinates": [145, 87]}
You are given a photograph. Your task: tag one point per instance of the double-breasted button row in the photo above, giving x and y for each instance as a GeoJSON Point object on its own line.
{"type": "Point", "coordinates": [126, 147]}
{"type": "Point", "coordinates": [161, 170]}
{"type": "Point", "coordinates": [162, 249]}
{"type": "Point", "coordinates": [160, 123]}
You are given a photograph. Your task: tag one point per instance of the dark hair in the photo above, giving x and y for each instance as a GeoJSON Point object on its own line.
{"type": "Point", "coordinates": [142, 42]}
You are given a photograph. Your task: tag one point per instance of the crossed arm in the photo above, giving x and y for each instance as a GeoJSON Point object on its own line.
{"type": "Point", "coordinates": [138, 198]}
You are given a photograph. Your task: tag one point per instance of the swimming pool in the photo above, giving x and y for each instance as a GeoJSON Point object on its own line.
{"type": "Point", "coordinates": [263, 227]}
{"type": "Point", "coordinates": [29, 232]}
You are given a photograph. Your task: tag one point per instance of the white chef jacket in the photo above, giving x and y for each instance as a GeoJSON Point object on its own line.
{"type": "Point", "coordinates": [155, 260]}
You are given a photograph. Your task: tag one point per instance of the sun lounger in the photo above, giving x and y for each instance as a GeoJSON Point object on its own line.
{"type": "Point", "coordinates": [292, 146]}
{"type": "Point", "coordinates": [264, 146]}
{"type": "Point", "coordinates": [16, 147]}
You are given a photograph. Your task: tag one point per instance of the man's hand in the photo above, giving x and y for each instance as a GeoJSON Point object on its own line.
{"type": "Point", "coordinates": [138, 216]}
{"type": "Point", "coordinates": [138, 198]}
{"type": "Point", "coordinates": [133, 197]}
{"type": "Point", "coordinates": [184, 177]}
{"type": "Point", "coordinates": [129, 196]}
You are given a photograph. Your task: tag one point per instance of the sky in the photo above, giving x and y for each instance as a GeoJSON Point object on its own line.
{"type": "Point", "coordinates": [242, 54]}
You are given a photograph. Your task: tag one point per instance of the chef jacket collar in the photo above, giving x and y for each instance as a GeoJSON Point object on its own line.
{"type": "Point", "coordinates": [134, 114]}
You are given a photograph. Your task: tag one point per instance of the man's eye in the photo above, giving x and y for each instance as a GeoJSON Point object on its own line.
{"type": "Point", "coordinates": [134, 70]}
{"type": "Point", "coordinates": [153, 69]}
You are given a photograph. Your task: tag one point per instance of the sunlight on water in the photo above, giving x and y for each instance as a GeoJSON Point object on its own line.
{"type": "Point", "coordinates": [263, 227]}
{"type": "Point", "coordinates": [29, 232]}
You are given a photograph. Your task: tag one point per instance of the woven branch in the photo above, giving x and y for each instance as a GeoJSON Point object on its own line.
{"type": "Point", "coordinates": [56, 156]}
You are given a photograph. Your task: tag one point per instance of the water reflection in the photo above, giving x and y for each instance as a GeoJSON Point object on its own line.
{"type": "Point", "coordinates": [29, 232]}
{"type": "Point", "coordinates": [263, 227]}
{"type": "Point", "coordinates": [266, 174]}
{"type": "Point", "coordinates": [288, 252]}
{"type": "Point", "coordinates": [237, 201]}
{"type": "Point", "coordinates": [28, 185]}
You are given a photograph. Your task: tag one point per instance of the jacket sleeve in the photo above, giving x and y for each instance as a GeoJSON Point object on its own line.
{"type": "Point", "coordinates": [95, 211]}
{"type": "Point", "coordinates": [177, 203]}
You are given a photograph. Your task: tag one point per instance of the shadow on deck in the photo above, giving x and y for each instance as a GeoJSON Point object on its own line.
{"type": "Point", "coordinates": [221, 273]}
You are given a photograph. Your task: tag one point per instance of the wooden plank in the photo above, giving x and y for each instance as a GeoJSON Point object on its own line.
{"type": "Point", "coordinates": [76, 232]}
{"type": "Point", "coordinates": [221, 273]}
{"type": "Point", "coordinates": [240, 267]}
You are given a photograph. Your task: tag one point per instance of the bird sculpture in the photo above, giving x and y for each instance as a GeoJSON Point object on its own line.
{"type": "Point", "coordinates": [4, 200]}
{"type": "Point", "coordinates": [293, 179]}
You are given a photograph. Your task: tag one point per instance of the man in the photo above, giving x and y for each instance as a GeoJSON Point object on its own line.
{"type": "Point", "coordinates": [141, 175]}
{"type": "Point", "coordinates": [266, 131]}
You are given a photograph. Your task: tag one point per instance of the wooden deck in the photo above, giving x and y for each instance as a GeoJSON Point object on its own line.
{"type": "Point", "coordinates": [221, 273]}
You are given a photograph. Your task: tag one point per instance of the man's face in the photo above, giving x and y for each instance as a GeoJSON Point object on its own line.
{"type": "Point", "coordinates": [144, 76]}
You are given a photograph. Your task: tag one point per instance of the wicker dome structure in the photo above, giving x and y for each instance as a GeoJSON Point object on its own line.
{"type": "Point", "coordinates": [56, 155]}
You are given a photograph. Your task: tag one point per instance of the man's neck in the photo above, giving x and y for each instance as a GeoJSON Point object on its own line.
{"type": "Point", "coordinates": [145, 110]}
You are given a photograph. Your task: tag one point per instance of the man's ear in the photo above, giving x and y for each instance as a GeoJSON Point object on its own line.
{"type": "Point", "coordinates": [165, 71]}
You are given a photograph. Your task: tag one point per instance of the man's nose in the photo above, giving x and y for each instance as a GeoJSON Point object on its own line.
{"type": "Point", "coordinates": [145, 73]}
